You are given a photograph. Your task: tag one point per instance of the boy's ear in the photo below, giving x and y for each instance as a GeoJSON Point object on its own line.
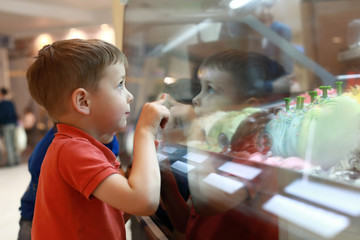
{"type": "Point", "coordinates": [80, 100]}
{"type": "Point", "coordinates": [252, 101]}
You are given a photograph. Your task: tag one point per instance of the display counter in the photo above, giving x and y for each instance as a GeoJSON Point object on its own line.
{"type": "Point", "coordinates": [276, 201]}
{"type": "Point", "coordinates": [263, 138]}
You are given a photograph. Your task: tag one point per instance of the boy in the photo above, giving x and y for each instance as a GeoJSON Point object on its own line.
{"type": "Point", "coordinates": [81, 194]}
{"type": "Point", "coordinates": [34, 164]}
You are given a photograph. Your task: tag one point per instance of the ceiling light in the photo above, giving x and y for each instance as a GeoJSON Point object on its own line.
{"type": "Point", "coordinates": [74, 33]}
{"type": "Point", "coordinates": [107, 34]}
{"type": "Point", "coordinates": [42, 40]}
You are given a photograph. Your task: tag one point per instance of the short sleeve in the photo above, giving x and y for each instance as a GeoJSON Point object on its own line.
{"type": "Point", "coordinates": [84, 166]}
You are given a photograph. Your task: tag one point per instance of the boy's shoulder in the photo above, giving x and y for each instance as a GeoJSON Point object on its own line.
{"type": "Point", "coordinates": [73, 134]}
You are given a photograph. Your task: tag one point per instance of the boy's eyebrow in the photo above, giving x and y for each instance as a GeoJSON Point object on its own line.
{"type": "Point", "coordinates": [205, 80]}
{"type": "Point", "coordinates": [212, 83]}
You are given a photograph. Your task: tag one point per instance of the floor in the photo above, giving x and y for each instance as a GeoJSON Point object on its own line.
{"type": "Point", "coordinates": [13, 183]}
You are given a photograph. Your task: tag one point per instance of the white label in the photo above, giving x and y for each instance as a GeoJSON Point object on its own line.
{"type": "Point", "coordinates": [343, 200]}
{"type": "Point", "coordinates": [223, 183]}
{"type": "Point", "coordinates": [169, 150]}
{"type": "Point", "coordinates": [322, 222]}
{"type": "Point", "coordinates": [195, 157]}
{"type": "Point", "coordinates": [240, 170]}
{"type": "Point", "coordinates": [161, 157]}
{"type": "Point", "coordinates": [182, 167]}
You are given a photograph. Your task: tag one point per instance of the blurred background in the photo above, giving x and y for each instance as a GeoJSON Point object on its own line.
{"type": "Point", "coordinates": [164, 40]}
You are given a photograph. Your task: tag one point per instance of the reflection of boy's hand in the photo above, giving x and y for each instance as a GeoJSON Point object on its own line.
{"type": "Point", "coordinates": [181, 114]}
{"type": "Point", "coordinates": [171, 102]}
{"type": "Point", "coordinates": [283, 84]}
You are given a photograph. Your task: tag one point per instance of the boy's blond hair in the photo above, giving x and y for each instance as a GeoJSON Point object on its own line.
{"type": "Point", "coordinates": [66, 65]}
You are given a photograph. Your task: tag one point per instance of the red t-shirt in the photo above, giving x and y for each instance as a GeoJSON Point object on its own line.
{"type": "Point", "coordinates": [74, 165]}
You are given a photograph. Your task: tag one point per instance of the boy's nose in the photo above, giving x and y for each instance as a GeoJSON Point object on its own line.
{"type": "Point", "coordinates": [196, 101]}
{"type": "Point", "coordinates": [130, 98]}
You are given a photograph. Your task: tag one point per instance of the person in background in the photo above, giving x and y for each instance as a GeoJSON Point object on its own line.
{"type": "Point", "coordinates": [8, 121]}
{"type": "Point", "coordinates": [34, 166]}
{"type": "Point", "coordinates": [29, 122]}
{"type": "Point", "coordinates": [81, 192]}
{"type": "Point", "coordinates": [264, 12]}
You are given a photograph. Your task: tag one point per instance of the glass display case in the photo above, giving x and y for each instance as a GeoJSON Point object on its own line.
{"type": "Point", "coordinates": [263, 139]}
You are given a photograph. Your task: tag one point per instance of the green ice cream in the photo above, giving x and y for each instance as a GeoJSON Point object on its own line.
{"type": "Point", "coordinates": [329, 131]}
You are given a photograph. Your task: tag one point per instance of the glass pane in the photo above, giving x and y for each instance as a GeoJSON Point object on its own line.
{"type": "Point", "coordinates": [263, 140]}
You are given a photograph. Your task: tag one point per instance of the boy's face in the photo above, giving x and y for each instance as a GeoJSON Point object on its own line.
{"type": "Point", "coordinates": [110, 103]}
{"type": "Point", "coordinates": [218, 92]}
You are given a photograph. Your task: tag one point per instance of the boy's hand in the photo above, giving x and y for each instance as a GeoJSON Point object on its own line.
{"type": "Point", "coordinates": [283, 84]}
{"type": "Point", "coordinates": [170, 101]}
{"type": "Point", "coordinates": [153, 115]}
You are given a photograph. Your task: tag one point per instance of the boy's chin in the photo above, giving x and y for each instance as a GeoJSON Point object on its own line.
{"type": "Point", "coordinates": [122, 126]}
{"type": "Point", "coordinates": [122, 129]}
{"type": "Point", "coordinates": [203, 112]}
{"type": "Point", "coordinates": [198, 112]}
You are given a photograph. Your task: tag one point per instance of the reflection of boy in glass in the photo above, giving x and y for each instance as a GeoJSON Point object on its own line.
{"type": "Point", "coordinates": [230, 80]}
{"type": "Point", "coordinates": [235, 79]}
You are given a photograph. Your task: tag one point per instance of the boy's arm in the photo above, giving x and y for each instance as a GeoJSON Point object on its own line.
{"type": "Point", "coordinates": [174, 204]}
{"type": "Point", "coordinates": [140, 194]}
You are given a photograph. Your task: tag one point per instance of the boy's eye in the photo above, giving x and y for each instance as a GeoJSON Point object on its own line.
{"type": "Point", "coordinates": [210, 90]}
{"type": "Point", "coordinates": [121, 84]}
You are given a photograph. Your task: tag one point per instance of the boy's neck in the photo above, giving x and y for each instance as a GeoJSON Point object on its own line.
{"type": "Point", "coordinates": [78, 121]}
